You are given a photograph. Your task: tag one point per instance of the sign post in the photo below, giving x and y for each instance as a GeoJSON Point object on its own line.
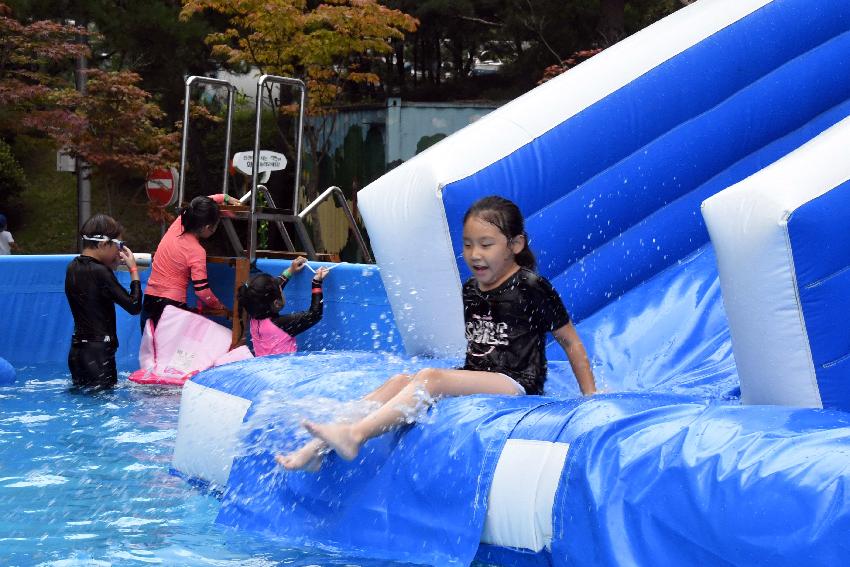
{"type": "Point", "coordinates": [161, 186]}
{"type": "Point", "coordinates": [269, 161]}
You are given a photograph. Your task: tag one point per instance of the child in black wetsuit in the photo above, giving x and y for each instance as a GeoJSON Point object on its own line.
{"type": "Point", "coordinates": [262, 299]}
{"type": "Point", "coordinates": [92, 291]}
{"type": "Point", "coordinates": [508, 311]}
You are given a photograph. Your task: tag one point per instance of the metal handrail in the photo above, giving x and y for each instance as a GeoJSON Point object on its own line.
{"type": "Point", "coordinates": [255, 175]}
{"type": "Point", "coordinates": [195, 79]}
{"type": "Point", "coordinates": [340, 198]}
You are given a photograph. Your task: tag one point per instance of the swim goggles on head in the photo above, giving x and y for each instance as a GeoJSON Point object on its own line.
{"type": "Point", "coordinates": [102, 238]}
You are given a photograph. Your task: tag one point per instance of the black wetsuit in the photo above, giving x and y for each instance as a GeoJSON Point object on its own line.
{"type": "Point", "coordinates": [92, 290]}
{"type": "Point", "coordinates": [506, 327]}
{"type": "Point", "coordinates": [295, 323]}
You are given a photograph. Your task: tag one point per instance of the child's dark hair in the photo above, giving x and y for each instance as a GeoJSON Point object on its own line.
{"type": "Point", "coordinates": [504, 215]}
{"type": "Point", "coordinates": [100, 225]}
{"type": "Point", "coordinates": [202, 211]}
{"type": "Point", "coordinates": [257, 296]}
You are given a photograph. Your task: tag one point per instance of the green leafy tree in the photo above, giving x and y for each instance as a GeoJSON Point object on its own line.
{"type": "Point", "coordinates": [12, 178]}
{"type": "Point", "coordinates": [526, 36]}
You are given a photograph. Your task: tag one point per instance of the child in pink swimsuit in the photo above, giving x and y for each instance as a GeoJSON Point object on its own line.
{"type": "Point", "coordinates": [262, 299]}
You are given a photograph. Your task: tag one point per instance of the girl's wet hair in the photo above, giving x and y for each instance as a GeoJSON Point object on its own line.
{"type": "Point", "coordinates": [504, 215]}
{"type": "Point", "coordinates": [202, 211]}
{"type": "Point", "coordinates": [100, 225]}
{"type": "Point", "coordinates": [257, 296]}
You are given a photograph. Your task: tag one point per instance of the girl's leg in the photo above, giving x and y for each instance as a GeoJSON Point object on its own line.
{"type": "Point", "coordinates": [309, 456]}
{"type": "Point", "coordinates": [346, 439]}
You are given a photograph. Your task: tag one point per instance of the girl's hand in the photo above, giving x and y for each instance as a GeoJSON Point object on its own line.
{"type": "Point", "coordinates": [230, 200]}
{"type": "Point", "coordinates": [128, 258]}
{"type": "Point", "coordinates": [297, 265]}
{"type": "Point", "coordinates": [320, 274]}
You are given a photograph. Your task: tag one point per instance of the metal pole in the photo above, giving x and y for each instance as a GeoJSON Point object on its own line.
{"type": "Point", "coordinates": [181, 178]}
{"type": "Point", "coordinates": [181, 183]}
{"type": "Point", "coordinates": [340, 198]}
{"type": "Point", "coordinates": [255, 173]}
{"type": "Point", "coordinates": [273, 79]}
{"type": "Point", "coordinates": [228, 137]}
{"type": "Point", "coordinates": [298, 142]}
{"type": "Point", "coordinates": [82, 166]}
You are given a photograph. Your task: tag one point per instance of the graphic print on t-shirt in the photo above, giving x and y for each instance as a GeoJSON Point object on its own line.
{"type": "Point", "coordinates": [506, 327]}
{"type": "Point", "coordinates": [483, 335]}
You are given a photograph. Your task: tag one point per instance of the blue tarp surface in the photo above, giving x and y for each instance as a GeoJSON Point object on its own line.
{"type": "Point", "coordinates": [707, 484]}
{"type": "Point", "coordinates": [651, 478]}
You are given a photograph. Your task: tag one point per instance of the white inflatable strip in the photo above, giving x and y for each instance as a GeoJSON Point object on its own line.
{"type": "Point", "coordinates": [208, 432]}
{"type": "Point", "coordinates": [748, 224]}
{"type": "Point", "coordinates": [519, 509]}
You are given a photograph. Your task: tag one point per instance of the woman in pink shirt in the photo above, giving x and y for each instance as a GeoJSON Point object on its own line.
{"type": "Point", "coordinates": [180, 258]}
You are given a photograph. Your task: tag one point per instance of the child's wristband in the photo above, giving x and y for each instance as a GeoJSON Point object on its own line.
{"type": "Point", "coordinates": [317, 290]}
{"type": "Point", "coordinates": [134, 270]}
{"type": "Point", "coordinates": [286, 274]}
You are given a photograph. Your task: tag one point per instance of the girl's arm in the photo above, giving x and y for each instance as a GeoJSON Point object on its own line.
{"type": "Point", "coordinates": [220, 199]}
{"type": "Point", "coordinates": [568, 338]}
{"type": "Point", "coordinates": [295, 323]}
{"type": "Point", "coordinates": [294, 267]}
{"type": "Point", "coordinates": [129, 302]}
{"type": "Point", "coordinates": [200, 281]}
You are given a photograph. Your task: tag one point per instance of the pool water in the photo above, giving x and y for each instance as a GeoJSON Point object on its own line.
{"type": "Point", "coordinates": [84, 480]}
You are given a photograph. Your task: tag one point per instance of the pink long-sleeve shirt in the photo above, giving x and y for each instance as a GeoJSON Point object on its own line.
{"type": "Point", "coordinates": [178, 259]}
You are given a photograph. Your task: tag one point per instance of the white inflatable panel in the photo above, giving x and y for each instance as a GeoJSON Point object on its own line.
{"type": "Point", "coordinates": [403, 210]}
{"type": "Point", "coordinates": [208, 433]}
{"type": "Point", "coordinates": [748, 224]}
{"type": "Point", "coordinates": [519, 510]}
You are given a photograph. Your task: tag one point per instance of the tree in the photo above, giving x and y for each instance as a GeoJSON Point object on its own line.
{"type": "Point", "coordinates": [32, 58]}
{"type": "Point", "coordinates": [145, 37]}
{"type": "Point", "coordinates": [526, 36]}
{"type": "Point", "coordinates": [332, 46]}
{"type": "Point", "coordinates": [12, 178]}
{"type": "Point", "coordinates": [113, 127]}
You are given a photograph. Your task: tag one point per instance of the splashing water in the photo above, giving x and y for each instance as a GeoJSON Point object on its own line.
{"type": "Point", "coordinates": [84, 480]}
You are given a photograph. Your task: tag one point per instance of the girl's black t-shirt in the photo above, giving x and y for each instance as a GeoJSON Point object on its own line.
{"type": "Point", "coordinates": [506, 327]}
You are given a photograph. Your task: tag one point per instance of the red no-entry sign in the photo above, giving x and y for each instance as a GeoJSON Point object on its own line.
{"type": "Point", "coordinates": [161, 186]}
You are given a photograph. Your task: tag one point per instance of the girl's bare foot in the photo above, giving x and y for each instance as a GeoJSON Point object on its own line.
{"type": "Point", "coordinates": [308, 458]}
{"type": "Point", "coordinates": [338, 437]}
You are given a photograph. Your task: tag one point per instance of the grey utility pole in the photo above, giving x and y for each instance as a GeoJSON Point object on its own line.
{"type": "Point", "coordinates": [83, 168]}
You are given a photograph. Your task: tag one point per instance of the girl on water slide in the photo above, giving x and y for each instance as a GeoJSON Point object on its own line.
{"type": "Point", "coordinates": [508, 310]}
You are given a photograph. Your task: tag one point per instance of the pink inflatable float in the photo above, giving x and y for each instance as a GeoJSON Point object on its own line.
{"type": "Point", "coordinates": [184, 344]}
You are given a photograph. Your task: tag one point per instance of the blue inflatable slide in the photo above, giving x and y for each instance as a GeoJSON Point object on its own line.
{"type": "Point", "coordinates": [687, 191]}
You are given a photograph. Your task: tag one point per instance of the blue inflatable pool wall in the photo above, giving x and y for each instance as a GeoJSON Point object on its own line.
{"type": "Point", "coordinates": [36, 313]}
{"type": "Point", "coordinates": [735, 106]}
